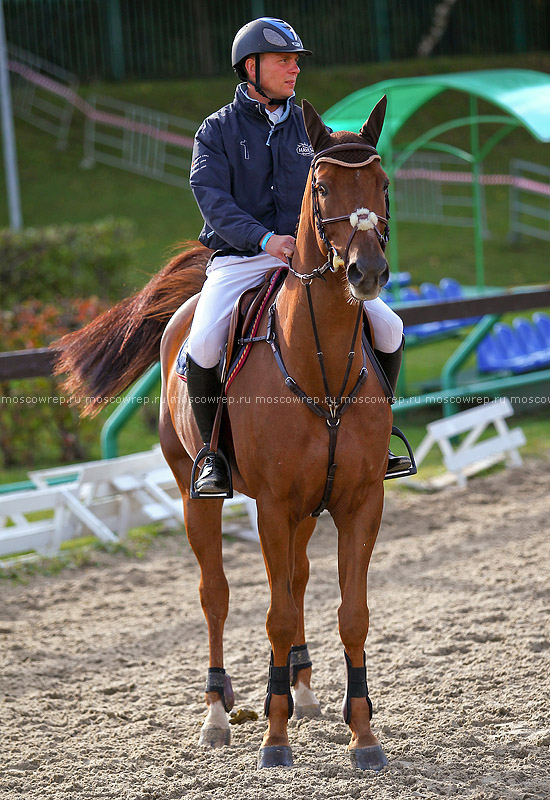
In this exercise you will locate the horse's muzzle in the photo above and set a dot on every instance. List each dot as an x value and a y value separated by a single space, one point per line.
366 280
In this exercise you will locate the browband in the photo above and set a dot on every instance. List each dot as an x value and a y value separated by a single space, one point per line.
338 148
329 160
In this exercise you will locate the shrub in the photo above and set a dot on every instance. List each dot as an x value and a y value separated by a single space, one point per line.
65 261
36 421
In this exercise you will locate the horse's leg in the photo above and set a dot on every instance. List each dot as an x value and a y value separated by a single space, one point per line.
204 532
277 539
356 537
305 701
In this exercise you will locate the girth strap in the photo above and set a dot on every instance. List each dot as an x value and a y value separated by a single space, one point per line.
331 472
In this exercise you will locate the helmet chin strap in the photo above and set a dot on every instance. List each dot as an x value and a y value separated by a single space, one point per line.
271 101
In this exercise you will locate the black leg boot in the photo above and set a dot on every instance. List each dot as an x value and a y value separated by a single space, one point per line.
204 388
391 364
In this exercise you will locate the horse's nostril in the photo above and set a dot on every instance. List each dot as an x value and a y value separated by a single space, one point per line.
384 276
355 276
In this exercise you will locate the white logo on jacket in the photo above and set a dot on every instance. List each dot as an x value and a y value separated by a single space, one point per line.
305 149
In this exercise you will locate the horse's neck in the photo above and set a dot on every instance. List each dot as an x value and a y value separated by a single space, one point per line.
335 317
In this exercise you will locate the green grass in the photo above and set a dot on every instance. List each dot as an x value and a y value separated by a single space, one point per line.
80 553
56 189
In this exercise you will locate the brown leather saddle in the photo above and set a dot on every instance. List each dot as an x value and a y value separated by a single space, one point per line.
244 322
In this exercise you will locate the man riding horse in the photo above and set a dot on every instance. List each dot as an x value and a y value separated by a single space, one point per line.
250 164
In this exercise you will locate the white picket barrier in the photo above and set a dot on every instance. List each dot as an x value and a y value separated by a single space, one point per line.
472 455
106 498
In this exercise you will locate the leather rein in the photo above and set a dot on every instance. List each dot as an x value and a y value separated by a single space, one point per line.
337 404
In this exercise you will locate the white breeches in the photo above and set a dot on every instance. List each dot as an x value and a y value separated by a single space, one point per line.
387 326
228 276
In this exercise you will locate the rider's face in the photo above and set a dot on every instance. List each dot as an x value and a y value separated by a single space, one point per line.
278 73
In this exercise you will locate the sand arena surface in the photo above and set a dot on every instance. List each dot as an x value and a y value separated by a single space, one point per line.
102 669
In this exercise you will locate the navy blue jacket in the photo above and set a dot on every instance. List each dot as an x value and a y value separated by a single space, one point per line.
247 175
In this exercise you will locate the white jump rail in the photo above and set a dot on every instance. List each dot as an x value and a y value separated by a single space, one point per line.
105 498
471 455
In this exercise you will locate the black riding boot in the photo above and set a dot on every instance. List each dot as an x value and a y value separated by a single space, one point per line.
204 388
391 364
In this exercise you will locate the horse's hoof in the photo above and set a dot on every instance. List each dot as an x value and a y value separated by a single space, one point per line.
214 737
307 712
371 758
274 756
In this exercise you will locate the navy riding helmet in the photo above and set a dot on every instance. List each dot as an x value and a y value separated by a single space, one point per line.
263 35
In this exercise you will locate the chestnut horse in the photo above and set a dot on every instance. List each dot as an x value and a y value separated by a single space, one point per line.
278 450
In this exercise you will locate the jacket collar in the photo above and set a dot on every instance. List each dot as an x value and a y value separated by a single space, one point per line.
245 103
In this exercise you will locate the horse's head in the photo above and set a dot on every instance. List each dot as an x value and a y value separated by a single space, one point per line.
349 193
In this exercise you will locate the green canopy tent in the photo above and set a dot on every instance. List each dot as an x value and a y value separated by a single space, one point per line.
522 97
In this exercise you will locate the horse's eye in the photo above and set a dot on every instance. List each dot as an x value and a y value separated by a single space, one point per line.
321 189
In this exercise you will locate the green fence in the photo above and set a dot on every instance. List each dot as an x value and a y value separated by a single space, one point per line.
180 38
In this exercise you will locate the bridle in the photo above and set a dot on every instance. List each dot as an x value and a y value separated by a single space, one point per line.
360 219
335 404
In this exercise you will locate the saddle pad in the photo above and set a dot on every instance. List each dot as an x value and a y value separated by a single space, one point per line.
181 361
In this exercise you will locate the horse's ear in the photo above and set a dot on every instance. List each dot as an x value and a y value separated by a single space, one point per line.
316 129
372 128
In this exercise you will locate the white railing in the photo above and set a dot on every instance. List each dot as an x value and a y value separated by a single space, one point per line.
529 200
33 99
138 139
106 498
433 188
124 135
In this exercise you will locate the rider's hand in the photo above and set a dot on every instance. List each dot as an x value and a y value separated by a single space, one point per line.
281 247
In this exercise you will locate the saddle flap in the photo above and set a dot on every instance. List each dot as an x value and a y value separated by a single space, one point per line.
244 311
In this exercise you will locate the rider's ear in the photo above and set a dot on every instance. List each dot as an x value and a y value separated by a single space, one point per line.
372 128
317 131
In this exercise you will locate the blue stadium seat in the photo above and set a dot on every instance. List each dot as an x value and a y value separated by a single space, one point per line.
409 295
541 322
430 291
532 342
426 329
490 356
400 279
517 356
517 349
497 353
451 289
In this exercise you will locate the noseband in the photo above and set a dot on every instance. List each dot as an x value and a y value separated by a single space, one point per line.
361 219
